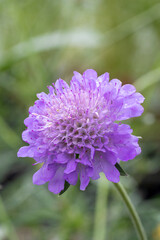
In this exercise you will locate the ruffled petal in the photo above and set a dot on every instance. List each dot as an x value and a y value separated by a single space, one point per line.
71 166
108 156
29 137
115 86
63 158
44 174
127 90
96 169
60 85
123 143
110 171
130 101
103 79
85 159
129 112
72 177
90 74
90 77
77 77
85 173
56 185
104 162
26 151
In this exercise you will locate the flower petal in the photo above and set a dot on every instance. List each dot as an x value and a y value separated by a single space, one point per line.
63 158
133 111
60 85
71 166
103 79
104 162
110 171
26 151
71 177
56 185
123 143
85 173
127 90
90 74
44 174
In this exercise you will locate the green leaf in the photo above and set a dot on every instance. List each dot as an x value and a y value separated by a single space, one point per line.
66 186
120 169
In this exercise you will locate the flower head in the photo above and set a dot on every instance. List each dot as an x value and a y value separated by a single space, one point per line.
74 132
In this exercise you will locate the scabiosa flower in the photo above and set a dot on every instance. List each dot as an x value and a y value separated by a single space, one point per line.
74 130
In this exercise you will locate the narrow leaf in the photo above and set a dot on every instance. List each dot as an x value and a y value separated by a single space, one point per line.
120 169
66 186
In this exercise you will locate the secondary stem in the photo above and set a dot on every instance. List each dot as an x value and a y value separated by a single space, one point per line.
135 218
100 219
12 235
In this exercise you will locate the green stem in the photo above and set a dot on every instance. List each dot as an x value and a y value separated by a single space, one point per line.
135 218
100 219
4 218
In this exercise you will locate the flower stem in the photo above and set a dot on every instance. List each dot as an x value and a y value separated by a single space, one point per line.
135 218
12 235
100 219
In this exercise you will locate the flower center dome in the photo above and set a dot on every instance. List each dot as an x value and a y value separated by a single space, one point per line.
76 120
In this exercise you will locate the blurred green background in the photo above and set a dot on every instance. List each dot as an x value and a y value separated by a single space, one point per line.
41 41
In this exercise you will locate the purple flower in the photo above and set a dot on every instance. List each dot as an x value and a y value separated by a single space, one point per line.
74 130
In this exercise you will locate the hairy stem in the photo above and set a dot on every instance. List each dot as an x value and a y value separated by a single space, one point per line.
135 218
